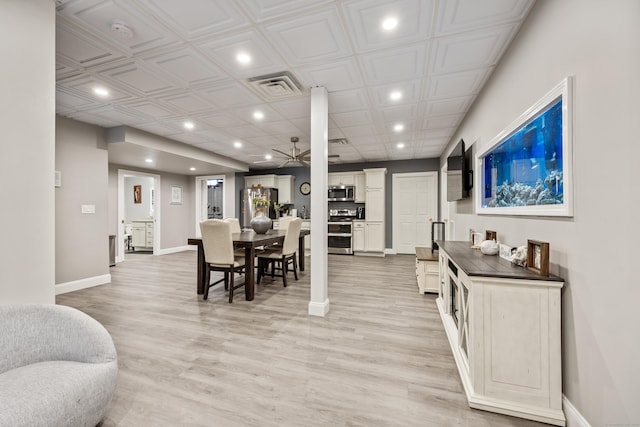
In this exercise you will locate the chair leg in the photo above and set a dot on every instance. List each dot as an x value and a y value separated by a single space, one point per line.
295 267
207 279
260 270
232 286
226 280
284 271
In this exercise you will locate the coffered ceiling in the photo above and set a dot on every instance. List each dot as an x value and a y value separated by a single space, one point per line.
167 62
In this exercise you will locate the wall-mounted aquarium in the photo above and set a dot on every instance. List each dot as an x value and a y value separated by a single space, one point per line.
526 169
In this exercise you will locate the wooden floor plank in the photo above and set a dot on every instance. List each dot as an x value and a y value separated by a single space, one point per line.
379 358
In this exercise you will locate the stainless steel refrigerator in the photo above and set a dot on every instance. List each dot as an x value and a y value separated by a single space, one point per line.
246 205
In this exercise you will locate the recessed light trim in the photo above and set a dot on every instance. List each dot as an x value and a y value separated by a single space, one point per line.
268 156
258 115
398 127
148 160
389 23
192 168
189 125
400 145
237 144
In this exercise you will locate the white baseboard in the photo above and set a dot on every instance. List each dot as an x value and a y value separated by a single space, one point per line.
177 249
76 285
573 416
319 308
390 251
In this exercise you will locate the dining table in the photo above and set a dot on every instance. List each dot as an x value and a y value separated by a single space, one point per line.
249 240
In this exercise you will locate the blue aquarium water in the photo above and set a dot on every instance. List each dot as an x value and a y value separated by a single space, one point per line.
526 168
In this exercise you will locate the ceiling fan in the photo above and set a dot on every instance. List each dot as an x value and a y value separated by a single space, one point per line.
295 155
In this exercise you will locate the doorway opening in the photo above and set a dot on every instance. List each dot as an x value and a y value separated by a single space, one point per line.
138 213
214 198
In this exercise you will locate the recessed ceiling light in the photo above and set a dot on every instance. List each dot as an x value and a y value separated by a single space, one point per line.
100 91
192 168
400 145
258 115
189 125
395 95
243 58
389 23
268 156
237 144
399 127
148 160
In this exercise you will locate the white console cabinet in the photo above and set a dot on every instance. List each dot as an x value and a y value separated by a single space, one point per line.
427 271
503 326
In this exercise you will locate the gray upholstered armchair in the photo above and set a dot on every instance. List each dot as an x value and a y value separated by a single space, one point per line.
58 367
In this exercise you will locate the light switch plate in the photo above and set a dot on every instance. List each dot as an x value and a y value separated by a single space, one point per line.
88 209
57 181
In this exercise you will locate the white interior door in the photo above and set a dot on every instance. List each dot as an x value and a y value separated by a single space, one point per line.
415 205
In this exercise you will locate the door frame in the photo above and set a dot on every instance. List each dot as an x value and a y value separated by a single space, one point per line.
157 186
201 194
394 200
445 206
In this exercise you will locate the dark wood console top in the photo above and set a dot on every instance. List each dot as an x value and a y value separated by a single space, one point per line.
425 254
475 263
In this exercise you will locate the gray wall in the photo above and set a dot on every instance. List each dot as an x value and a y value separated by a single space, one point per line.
27 106
82 242
302 174
598 43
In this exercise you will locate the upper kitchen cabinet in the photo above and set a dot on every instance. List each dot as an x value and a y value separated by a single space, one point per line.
361 187
286 189
264 180
375 178
341 178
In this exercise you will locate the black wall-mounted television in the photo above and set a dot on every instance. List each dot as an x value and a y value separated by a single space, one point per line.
458 174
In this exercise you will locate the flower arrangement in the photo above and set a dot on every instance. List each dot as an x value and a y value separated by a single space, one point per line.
260 204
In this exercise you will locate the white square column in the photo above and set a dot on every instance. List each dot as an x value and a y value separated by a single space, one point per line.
319 303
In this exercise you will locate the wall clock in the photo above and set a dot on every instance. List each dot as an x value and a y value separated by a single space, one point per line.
305 188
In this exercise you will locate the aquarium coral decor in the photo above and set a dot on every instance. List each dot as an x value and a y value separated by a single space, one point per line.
526 169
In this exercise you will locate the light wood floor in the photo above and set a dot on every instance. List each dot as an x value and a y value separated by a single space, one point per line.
379 358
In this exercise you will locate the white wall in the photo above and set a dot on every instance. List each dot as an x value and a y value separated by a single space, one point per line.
599 43
27 111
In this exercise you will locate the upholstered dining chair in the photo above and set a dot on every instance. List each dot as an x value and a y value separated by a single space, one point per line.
235 228
286 254
217 243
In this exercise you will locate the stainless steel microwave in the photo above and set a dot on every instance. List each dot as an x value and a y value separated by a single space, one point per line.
342 193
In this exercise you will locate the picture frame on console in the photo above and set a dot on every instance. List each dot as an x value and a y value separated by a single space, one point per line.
527 168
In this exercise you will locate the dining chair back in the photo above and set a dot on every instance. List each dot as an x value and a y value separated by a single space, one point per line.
235 224
217 243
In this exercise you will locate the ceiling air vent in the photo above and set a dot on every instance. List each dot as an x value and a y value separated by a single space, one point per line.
276 85
339 141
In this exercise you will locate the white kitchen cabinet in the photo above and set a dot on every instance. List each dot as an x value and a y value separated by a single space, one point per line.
375 178
286 189
142 234
358 236
359 181
374 237
368 238
375 204
427 271
263 180
503 327
341 178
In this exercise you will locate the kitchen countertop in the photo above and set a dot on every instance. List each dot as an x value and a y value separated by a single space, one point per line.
425 254
475 263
